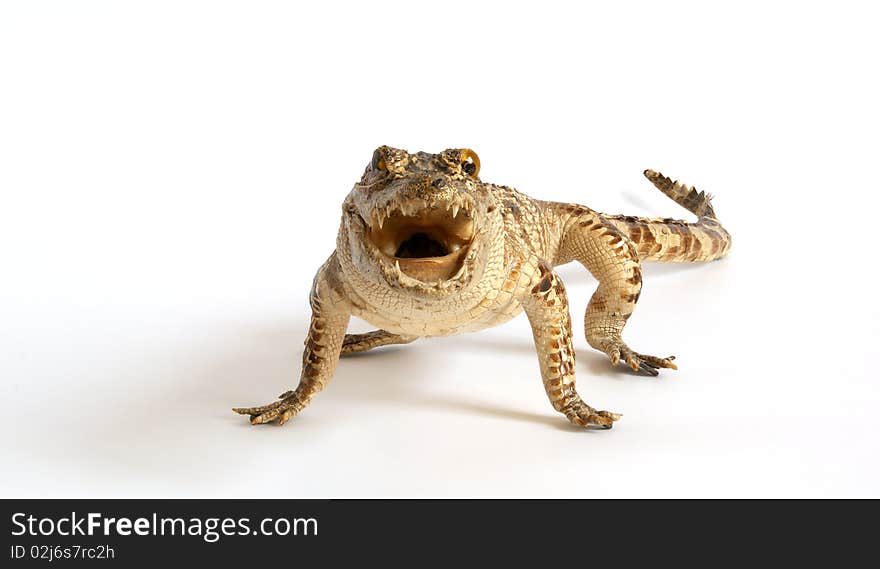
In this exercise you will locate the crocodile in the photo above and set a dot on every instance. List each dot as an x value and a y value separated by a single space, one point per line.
425 248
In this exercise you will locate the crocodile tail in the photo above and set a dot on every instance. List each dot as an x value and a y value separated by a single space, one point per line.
674 240
698 203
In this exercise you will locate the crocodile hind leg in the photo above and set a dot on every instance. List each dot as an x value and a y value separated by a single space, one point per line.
546 305
355 343
323 345
614 261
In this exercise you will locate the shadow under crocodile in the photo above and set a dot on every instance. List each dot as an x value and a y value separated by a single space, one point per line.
386 376
144 429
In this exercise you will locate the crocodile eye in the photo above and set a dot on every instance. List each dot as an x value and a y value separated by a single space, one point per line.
470 162
378 163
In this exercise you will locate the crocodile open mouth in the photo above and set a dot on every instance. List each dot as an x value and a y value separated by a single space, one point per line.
428 244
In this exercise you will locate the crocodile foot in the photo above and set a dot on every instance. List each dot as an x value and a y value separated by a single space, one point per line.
283 410
583 415
639 363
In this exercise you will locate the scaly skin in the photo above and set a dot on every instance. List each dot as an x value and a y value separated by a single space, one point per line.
355 343
427 249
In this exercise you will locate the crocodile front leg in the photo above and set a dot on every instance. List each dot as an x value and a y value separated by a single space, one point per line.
330 315
546 306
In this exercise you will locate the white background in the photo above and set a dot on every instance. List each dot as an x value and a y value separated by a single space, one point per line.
171 175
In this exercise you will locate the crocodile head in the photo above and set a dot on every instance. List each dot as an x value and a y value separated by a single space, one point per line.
421 222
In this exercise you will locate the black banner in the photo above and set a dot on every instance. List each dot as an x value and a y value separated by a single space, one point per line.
284 532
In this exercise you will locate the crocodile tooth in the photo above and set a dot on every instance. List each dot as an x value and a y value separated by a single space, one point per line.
380 218
397 268
459 273
455 210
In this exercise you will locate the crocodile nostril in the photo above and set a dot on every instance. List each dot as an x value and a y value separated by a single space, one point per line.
438 183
